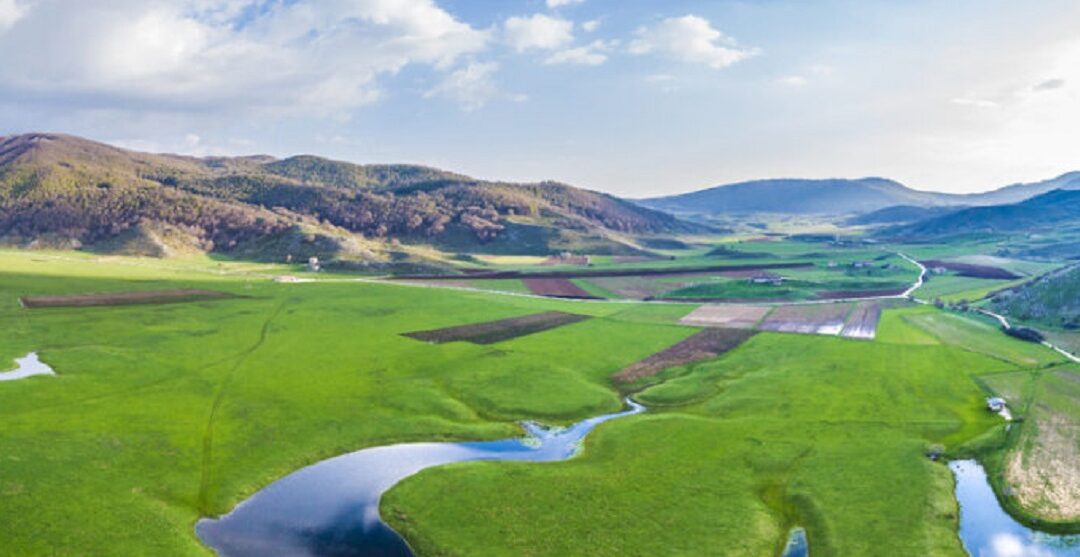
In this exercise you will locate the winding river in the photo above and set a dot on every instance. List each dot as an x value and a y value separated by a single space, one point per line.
332 508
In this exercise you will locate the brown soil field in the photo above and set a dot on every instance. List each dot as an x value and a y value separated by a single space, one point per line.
705 345
735 316
863 321
592 273
973 271
821 319
850 294
124 298
639 288
490 332
556 288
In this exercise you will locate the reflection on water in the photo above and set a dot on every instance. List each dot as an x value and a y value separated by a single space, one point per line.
331 509
797 545
27 366
988 531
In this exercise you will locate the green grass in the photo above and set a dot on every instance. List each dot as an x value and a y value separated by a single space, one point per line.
954 288
162 414
787 429
1037 457
982 336
514 286
594 289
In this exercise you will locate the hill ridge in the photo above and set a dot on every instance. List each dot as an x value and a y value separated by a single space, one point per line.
66 191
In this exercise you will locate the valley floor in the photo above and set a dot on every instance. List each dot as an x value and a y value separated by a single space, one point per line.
161 414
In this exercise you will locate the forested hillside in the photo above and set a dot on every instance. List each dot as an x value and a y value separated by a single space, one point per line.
65 191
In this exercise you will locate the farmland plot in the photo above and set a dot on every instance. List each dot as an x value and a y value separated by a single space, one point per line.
735 316
490 332
556 288
820 319
705 345
972 270
862 323
124 298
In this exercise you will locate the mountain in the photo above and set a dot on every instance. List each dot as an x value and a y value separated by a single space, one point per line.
843 197
64 191
1019 192
898 214
797 196
1049 211
1052 299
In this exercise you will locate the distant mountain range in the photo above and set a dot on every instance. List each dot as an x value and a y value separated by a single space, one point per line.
1048 211
837 197
63 191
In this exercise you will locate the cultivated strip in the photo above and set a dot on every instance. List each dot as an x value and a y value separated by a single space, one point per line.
821 319
704 345
124 298
490 332
556 288
863 322
734 316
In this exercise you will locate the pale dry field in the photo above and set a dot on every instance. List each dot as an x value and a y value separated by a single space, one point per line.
734 316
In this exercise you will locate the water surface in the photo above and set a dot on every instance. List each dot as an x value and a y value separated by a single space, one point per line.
797 546
27 366
331 509
988 531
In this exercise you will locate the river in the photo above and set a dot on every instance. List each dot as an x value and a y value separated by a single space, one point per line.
332 508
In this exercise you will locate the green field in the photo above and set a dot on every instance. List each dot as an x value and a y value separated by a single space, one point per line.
162 414
1037 462
824 432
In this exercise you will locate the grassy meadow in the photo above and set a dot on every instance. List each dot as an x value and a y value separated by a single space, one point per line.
161 414
165 413
823 432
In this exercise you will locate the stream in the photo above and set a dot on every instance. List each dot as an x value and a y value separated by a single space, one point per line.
27 366
988 531
331 508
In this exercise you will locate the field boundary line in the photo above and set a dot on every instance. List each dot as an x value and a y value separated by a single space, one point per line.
208 432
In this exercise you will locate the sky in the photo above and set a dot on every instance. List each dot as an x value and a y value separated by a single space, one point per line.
632 97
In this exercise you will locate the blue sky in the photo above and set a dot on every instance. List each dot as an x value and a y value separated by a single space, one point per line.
631 97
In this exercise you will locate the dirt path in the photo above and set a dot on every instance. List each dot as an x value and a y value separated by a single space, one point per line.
1005 323
208 433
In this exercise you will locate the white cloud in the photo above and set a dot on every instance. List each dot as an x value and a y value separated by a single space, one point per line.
560 3
319 57
592 54
793 80
11 11
975 103
666 82
591 25
1050 84
538 31
470 86
692 39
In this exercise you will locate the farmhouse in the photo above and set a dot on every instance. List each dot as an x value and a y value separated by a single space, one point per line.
995 404
766 278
